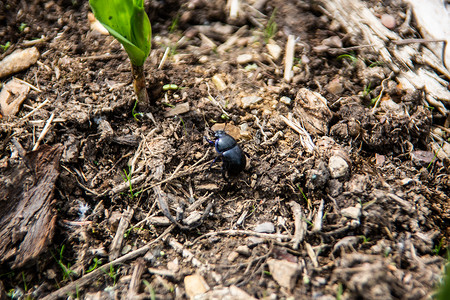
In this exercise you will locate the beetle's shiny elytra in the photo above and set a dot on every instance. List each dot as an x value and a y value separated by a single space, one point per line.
233 158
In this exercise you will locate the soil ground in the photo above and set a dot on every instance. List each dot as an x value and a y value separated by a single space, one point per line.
375 227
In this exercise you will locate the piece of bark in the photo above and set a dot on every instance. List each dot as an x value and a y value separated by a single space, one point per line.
27 217
11 97
116 244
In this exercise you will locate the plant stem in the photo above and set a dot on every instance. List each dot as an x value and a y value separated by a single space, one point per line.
139 85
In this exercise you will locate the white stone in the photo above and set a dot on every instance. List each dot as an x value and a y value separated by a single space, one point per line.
286 100
285 273
195 285
266 227
351 212
250 100
274 51
244 59
338 166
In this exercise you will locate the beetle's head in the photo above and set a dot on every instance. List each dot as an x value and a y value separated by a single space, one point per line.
219 133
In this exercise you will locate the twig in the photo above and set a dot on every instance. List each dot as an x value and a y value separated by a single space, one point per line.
312 255
35 109
116 244
126 184
234 232
289 58
164 58
305 138
44 131
261 128
215 102
28 84
381 93
89 277
299 223
318 218
234 9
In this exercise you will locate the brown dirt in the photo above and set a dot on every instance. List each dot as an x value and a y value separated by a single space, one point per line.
394 247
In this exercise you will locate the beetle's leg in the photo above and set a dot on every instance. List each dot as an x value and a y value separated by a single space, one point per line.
209 141
215 159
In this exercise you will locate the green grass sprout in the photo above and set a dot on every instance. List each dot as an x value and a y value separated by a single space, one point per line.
350 57
271 27
5 46
127 21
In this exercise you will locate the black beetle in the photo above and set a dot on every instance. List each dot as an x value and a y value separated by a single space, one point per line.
230 152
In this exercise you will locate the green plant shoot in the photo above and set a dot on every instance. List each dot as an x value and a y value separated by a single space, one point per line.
127 21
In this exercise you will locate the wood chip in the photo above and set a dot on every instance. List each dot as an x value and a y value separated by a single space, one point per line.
18 61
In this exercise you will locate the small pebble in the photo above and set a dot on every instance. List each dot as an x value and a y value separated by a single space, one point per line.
243 250
274 51
195 285
351 212
388 21
338 166
285 273
250 100
266 227
286 100
244 59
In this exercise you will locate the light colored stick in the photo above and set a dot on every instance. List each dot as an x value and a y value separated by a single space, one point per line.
163 59
289 58
35 109
44 131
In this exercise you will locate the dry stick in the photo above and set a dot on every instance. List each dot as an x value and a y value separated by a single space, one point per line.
28 84
136 278
312 255
186 253
126 184
318 218
44 131
35 109
381 93
234 9
243 232
164 58
305 138
87 278
118 238
289 58
299 223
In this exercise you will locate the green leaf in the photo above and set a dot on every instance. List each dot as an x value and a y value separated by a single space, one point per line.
127 21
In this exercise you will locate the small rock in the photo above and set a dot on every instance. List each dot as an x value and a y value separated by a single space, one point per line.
244 59
250 100
358 184
333 42
266 227
351 212
253 241
232 256
174 265
338 166
335 86
286 100
18 61
219 83
178 110
422 158
388 21
231 129
284 272
318 177
195 285
244 250
12 96
274 51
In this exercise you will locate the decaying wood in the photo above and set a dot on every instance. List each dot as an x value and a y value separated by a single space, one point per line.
116 244
410 62
136 278
27 219
89 277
